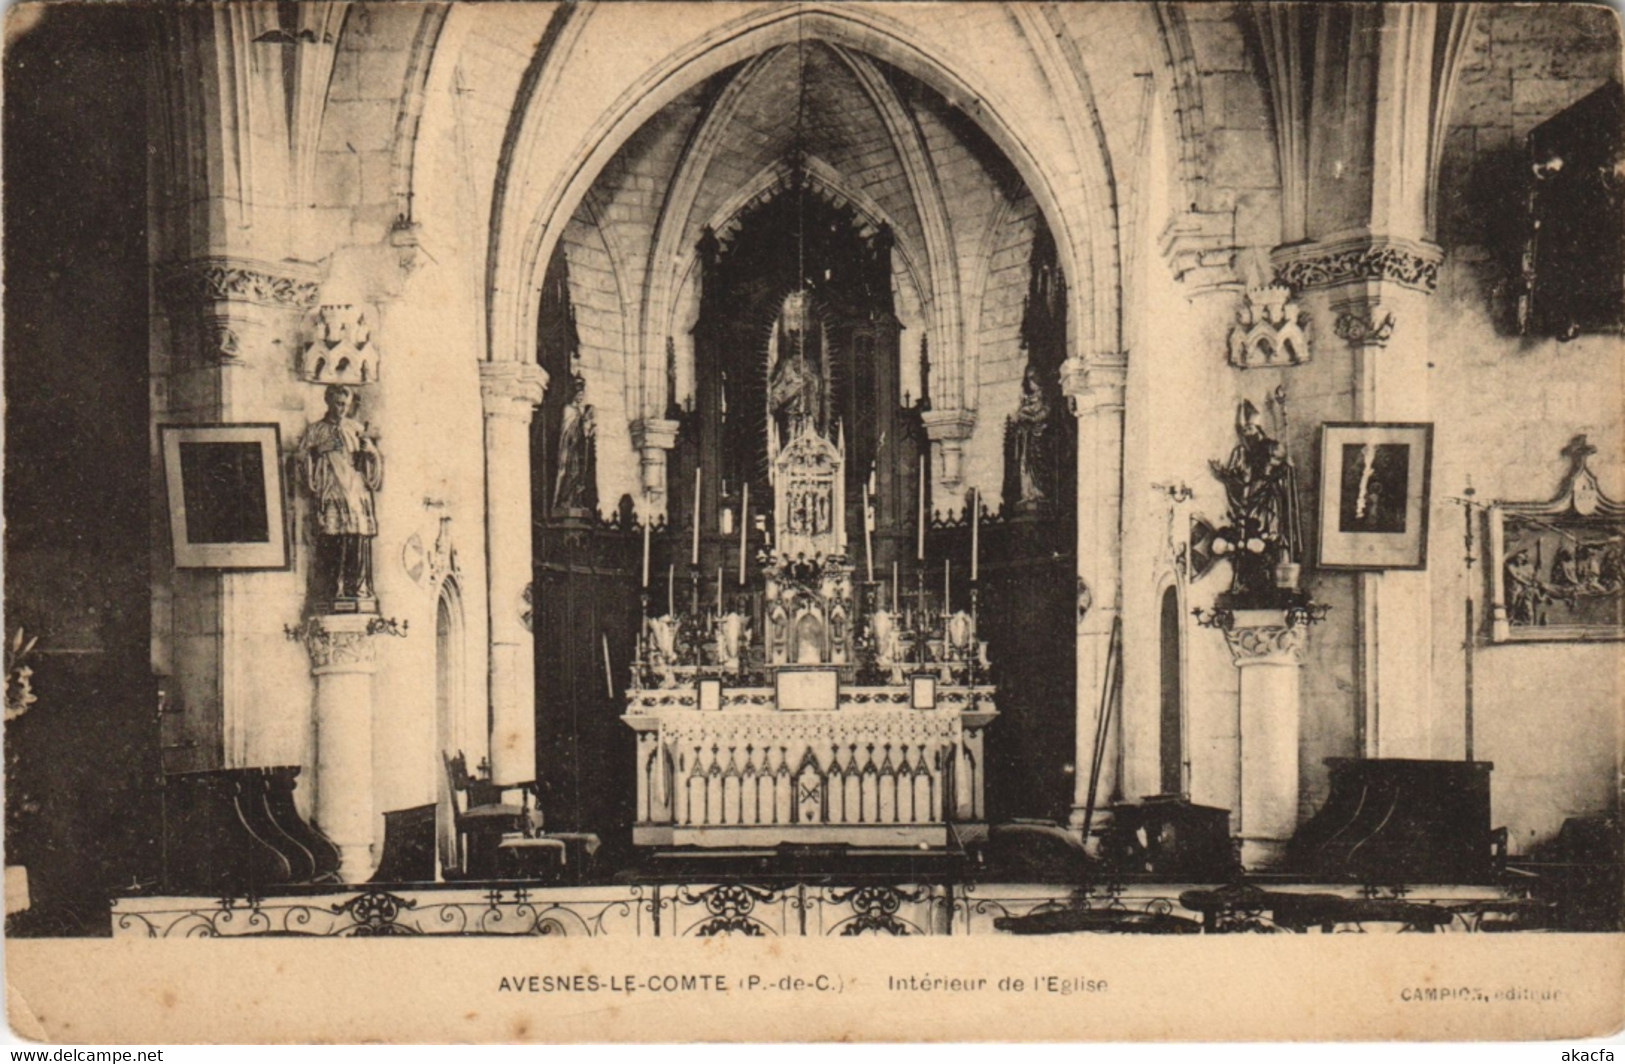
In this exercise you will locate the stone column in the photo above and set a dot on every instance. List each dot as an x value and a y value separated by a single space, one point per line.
343 661
218 357
1268 653
1376 292
510 392
1095 392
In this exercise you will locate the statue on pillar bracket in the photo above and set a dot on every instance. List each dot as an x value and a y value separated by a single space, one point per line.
341 467
1264 536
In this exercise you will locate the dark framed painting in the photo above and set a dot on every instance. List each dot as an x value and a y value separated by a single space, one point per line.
226 508
1374 494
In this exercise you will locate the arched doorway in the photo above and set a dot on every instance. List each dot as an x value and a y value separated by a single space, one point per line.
845 165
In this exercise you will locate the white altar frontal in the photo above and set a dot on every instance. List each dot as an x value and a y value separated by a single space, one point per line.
798 709
872 771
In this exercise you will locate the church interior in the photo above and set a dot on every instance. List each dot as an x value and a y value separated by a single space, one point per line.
813 468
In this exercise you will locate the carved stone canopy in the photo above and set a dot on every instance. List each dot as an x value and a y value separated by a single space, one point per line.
339 347
1269 330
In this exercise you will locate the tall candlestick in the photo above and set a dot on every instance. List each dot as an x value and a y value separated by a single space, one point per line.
694 553
744 526
975 531
868 542
609 673
919 547
894 594
648 523
671 590
946 587
719 591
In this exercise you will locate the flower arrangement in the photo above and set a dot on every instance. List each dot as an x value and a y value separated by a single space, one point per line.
19 676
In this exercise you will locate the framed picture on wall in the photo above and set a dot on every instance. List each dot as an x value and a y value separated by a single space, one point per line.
225 496
1374 494
1557 567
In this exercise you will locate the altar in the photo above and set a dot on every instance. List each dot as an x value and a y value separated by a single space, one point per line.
793 702
874 770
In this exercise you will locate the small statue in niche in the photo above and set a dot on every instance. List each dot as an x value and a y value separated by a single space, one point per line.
572 484
663 632
342 468
778 624
729 636
1030 443
1261 489
888 643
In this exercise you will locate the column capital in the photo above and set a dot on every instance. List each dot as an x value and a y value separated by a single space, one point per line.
340 643
226 279
949 424
1264 639
511 389
1358 259
654 432
1362 321
1094 385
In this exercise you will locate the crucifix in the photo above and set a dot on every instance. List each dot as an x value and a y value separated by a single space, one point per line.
1470 509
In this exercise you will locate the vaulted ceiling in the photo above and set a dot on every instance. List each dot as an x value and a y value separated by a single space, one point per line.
866 136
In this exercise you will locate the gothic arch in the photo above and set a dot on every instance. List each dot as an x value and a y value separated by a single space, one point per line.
525 227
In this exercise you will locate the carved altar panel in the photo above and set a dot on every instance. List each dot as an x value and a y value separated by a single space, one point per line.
873 772
810 498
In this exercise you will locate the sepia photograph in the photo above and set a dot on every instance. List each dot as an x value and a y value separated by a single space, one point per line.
813 521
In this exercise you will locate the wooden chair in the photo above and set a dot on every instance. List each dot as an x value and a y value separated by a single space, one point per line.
482 818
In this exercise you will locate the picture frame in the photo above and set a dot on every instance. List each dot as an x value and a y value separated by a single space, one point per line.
226 504
922 690
1375 493
710 694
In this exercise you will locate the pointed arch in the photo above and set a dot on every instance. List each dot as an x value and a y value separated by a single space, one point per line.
537 190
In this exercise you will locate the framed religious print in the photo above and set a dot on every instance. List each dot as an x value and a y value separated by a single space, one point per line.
1374 494
225 496
1558 567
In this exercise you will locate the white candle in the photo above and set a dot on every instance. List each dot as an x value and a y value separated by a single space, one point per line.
919 547
894 596
946 586
744 526
694 554
648 523
868 543
609 674
975 531
719 591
